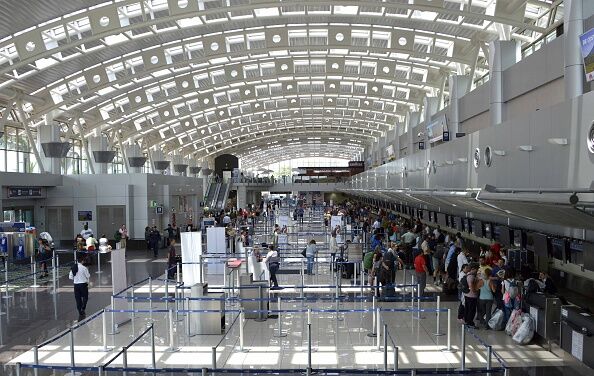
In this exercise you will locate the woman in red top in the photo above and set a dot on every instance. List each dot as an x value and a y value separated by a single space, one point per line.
421 272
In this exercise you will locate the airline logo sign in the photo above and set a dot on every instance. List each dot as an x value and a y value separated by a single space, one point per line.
587 47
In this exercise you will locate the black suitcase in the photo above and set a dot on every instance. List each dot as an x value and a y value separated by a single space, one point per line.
388 291
348 270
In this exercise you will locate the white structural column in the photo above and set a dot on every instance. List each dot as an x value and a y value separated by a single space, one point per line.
49 132
574 69
458 86
414 119
241 196
502 55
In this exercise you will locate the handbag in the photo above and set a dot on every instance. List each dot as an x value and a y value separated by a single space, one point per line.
304 252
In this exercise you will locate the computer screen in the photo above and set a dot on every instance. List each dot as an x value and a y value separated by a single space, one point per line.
477 228
559 248
538 243
504 236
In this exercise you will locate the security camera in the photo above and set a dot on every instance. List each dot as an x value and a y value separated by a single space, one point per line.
421 134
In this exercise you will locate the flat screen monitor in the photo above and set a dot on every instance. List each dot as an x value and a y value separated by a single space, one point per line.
488 230
441 219
575 254
519 239
559 248
477 228
85 215
504 235
588 252
538 243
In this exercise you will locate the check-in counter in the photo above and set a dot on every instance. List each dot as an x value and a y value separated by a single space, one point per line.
577 329
546 311
207 322
259 291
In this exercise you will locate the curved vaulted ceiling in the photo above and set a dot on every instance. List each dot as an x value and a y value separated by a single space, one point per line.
252 77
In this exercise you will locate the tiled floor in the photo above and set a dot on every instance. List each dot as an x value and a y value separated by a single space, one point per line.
339 344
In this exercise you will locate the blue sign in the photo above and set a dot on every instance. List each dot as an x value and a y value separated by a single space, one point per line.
587 47
13 226
3 244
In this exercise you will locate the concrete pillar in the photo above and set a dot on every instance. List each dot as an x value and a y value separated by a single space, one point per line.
458 86
573 28
49 132
241 196
502 55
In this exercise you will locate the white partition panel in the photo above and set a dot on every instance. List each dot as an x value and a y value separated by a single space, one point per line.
215 240
119 282
191 248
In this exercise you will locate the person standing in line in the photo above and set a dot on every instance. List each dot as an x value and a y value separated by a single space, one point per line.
171 260
273 261
310 253
471 296
421 271
80 275
124 235
86 231
486 289
154 239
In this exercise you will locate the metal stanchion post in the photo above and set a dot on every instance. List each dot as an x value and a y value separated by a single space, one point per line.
153 356
419 317
172 347
188 317
362 278
449 333
489 357
309 349
225 292
378 322
385 347
279 320
125 360
34 266
178 273
463 348
395 358
166 294
114 325
72 348
412 292
98 263
6 278
35 358
241 333
104 322
150 280
373 318
438 314
260 305
214 358
133 302
302 280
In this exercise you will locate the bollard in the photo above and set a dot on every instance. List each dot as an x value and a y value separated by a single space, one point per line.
463 347
71 348
154 358
395 358
373 319
448 334
489 357
385 347
172 347
279 320
125 360
188 317
378 321
214 358
438 314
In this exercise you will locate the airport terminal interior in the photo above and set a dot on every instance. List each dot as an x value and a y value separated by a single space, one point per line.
269 187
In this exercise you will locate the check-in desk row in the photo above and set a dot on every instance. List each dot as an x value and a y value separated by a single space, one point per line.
577 328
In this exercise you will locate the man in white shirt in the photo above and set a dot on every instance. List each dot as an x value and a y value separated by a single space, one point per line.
86 232
377 224
462 259
80 275
273 261
226 220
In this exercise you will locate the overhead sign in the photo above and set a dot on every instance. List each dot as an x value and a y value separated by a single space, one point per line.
587 47
24 192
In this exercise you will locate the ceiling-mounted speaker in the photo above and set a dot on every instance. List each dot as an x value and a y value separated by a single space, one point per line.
56 149
104 156
161 165
137 161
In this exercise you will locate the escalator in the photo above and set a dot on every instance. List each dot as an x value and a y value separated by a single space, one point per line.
223 194
211 194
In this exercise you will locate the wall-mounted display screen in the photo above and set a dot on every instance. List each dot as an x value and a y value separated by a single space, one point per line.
477 228
519 239
559 248
85 215
575 254
503 235
539 243
488 230
441 219
588 252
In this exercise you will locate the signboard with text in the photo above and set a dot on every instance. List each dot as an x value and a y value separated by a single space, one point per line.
24 192
587 48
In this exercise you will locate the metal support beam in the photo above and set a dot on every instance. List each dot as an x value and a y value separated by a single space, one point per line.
32 144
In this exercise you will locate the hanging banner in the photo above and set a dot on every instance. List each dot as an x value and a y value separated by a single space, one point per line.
587 47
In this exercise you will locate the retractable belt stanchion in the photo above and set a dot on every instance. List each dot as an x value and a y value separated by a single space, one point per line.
214 358
419 317
166 293
171 347
72 364
302 280
279 320
260 305
374 319
34 266
385 347
153 355
438 315
463 347
114 325
98 263
6 296
178 273
133 302
241 333
362 278
35 358
309 349
489 357
412 292
449 334
378 322
188 316
395 358
104 331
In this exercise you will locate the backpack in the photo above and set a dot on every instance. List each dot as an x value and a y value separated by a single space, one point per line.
513 291
463 286
117 236
368 260
74 268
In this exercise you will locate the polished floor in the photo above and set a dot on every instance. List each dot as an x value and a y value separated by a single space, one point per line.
339 341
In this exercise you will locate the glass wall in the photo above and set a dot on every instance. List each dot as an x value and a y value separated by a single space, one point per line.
15 152
75 162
